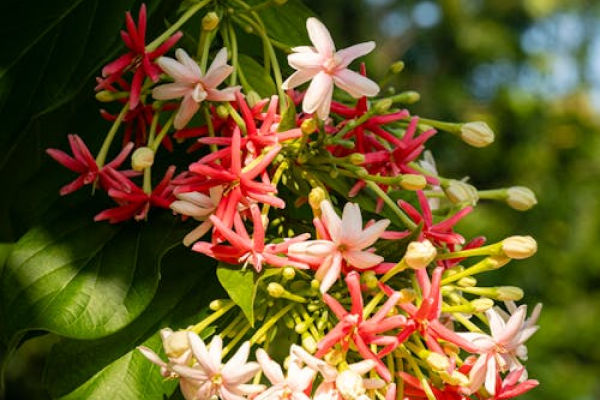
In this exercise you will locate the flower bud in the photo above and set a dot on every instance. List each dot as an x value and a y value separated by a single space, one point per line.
369 279
459 192
216 305
397 67
106 96
309 343
477 134
253 98
275 289
222 112
519 247
520 198
467 281
420 254
356 159
509 293
350 385
210 21
382 106
142 158
176 343
315 197
437 361
288 273
406 296
413 182
482 305
308 126
455 378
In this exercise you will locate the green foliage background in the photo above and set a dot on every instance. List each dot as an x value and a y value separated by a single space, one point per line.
530 68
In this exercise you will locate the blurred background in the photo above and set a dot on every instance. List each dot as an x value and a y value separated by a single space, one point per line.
531 69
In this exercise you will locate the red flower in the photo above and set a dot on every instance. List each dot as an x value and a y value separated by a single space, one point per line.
134 202
84 164
137 60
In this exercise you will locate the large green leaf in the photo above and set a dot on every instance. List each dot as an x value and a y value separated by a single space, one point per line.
286 23
239 284
110 367
83 279
257 77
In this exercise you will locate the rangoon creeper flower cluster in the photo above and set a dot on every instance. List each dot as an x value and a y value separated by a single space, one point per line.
332 230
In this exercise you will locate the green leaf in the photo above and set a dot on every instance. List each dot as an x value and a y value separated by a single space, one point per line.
288 118
256 76
239 284
110 367
83 279
286 23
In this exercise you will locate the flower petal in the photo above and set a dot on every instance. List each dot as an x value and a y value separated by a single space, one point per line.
320 37
349 54
170 91
186 111
355 84
298 78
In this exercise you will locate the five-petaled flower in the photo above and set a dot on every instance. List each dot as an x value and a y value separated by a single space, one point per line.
194 86
327 67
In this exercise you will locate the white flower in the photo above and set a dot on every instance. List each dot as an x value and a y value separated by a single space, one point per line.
293 387
326 67
208 377
348 242
191 84
200 207
501 351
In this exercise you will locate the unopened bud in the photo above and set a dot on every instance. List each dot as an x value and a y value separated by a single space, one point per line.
369 279
315 197
397 67
176 344
459 192
406 296
356 159
477 134
142 158
308 126
210 21
300 328
437 361
413 182
467 281
105 96
509 293
252 98
519 247
382 106
222 112
309 343
520 198
350 385
482 305
288 273
420 254
455 378
275 289
216 305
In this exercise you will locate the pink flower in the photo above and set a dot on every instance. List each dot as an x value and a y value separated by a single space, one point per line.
354 325
137 60
194 86
500 351
84 164
200 207
344 240
327 67
209 377
291 387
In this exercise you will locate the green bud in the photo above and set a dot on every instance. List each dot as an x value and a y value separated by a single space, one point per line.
222 112
382 106
519 247
509 293
413 182
356 159
275 289
397 67
288 273
210 21
482 305
308 126
459 192
253 98
467 281
420 254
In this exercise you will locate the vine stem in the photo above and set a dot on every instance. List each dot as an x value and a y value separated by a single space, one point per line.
101 157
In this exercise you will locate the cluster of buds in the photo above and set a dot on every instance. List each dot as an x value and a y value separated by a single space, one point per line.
363 288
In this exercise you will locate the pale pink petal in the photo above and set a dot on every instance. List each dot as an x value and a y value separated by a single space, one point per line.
298 78
513 326
355 84
349 54
371 234
170 91
202 355
271 369
197 233
328 274
306 61
237 360
491 376
219 61
325 105
189 63
362 259
313 248
362 367
215 351
177 70
320 37
186 112
214 77
351 228
331 220
152 356
227 94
